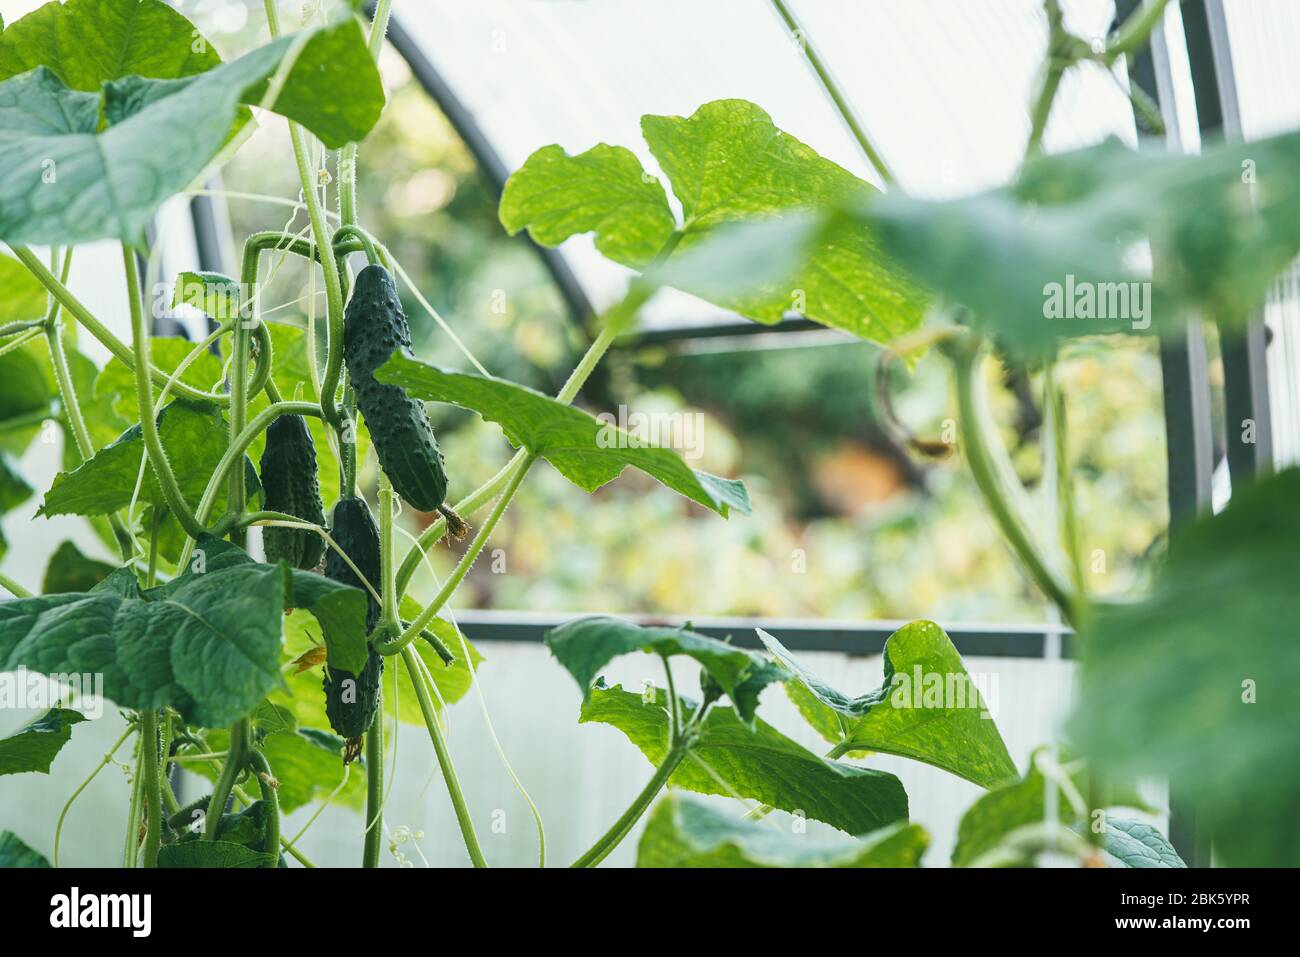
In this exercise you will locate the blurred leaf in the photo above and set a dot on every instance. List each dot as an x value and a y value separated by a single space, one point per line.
14 489
603 191
686 832
1221 225
927 708
21 294
1003 810
34 746
1197 681
761 764
70 571
14 853
86 42
110 183
586 645
584 450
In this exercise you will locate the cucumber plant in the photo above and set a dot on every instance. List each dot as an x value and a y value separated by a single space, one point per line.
266 677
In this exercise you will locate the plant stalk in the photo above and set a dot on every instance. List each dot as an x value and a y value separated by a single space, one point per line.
620 828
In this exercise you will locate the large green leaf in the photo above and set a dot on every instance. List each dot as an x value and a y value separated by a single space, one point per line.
21 295
206 643
14 853
760 764
928 708
603 191
33 746
86 42
1221 226
686 832
69 571
586 645
584 450
728 165
1198 680
66 181
339 609
194 438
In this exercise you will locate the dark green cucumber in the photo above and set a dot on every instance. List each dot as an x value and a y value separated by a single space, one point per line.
374 327
289 485
351 700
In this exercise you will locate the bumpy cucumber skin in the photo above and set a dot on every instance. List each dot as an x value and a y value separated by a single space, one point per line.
355 531
290 485
374 327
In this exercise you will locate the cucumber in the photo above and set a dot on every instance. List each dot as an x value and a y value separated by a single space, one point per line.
374 327
351 700
290 485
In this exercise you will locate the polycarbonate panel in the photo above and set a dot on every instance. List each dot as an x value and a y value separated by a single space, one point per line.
943 86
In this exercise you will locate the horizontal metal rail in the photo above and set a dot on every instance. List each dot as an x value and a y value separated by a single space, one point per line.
798 634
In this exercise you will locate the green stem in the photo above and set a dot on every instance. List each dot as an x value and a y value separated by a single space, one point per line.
388 584
391 645
97 329
236 758
108 756
266 782
840 101
132 849
374 786
144 404
1136 30
152 789
15 589
444 759
995 478
620 828
347 165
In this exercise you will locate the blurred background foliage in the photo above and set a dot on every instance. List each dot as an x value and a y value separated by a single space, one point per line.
845 524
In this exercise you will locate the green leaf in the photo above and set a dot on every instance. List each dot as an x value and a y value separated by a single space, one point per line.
214 294
34 746
728 163
69 182
71 571
86 42
603 191
1021 803
731 168
687 832
21 295
211 854
339 610
194 438
1137 844
1218 238
584 450
206 643
14 853
760 764
115 383
1197 681
584 646
14 489
927 708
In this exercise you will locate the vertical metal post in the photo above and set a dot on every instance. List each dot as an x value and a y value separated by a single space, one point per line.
1188 425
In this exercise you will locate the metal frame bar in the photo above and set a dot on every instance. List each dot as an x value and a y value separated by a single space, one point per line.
798 634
